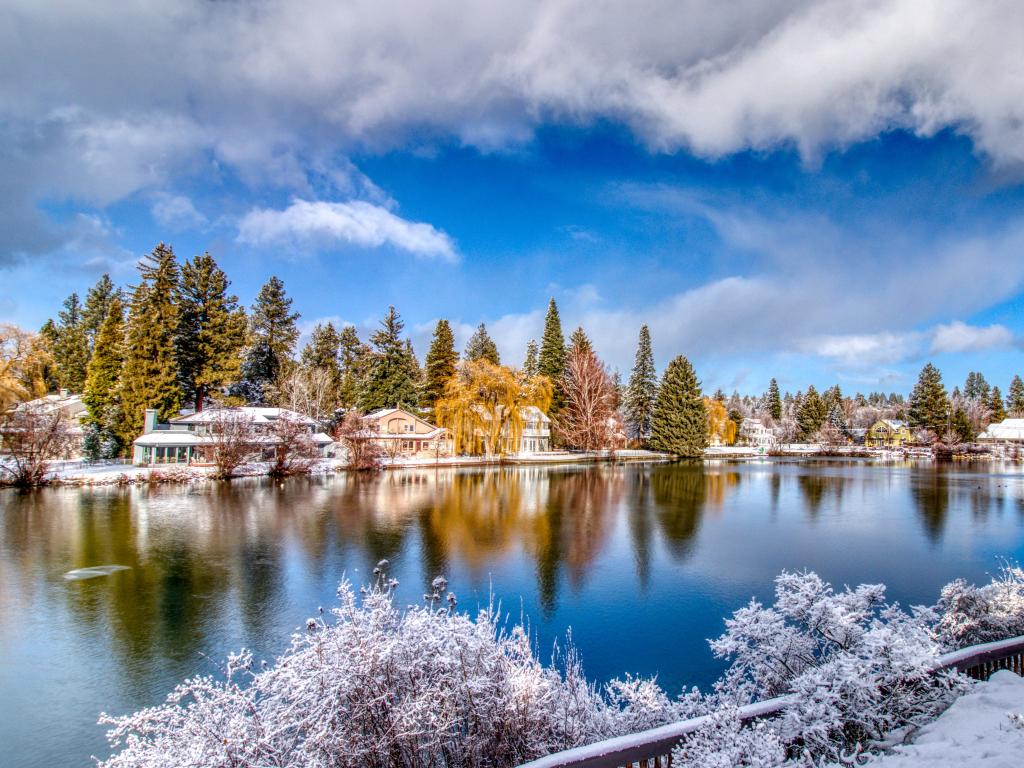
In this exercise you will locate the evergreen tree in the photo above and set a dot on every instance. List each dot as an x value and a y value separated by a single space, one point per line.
531 365
391 380
150 375
1015 398
642 390
552 356
482 347
355 363
929 406
579 340
211 331
440 365
679 424
71 352
812 414
272 337
323 353
976 388
996 409
97 305
48 342
102 391
961 426
773 401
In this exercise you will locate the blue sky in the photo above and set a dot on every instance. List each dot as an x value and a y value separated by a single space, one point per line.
817 191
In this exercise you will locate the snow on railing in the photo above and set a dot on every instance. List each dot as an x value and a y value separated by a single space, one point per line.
654 746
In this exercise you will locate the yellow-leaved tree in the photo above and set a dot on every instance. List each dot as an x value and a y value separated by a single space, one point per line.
23 360
483 406
719 424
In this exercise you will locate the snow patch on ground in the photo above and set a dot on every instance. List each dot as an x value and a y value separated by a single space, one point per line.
977 730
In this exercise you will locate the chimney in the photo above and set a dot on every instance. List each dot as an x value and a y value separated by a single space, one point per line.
149 423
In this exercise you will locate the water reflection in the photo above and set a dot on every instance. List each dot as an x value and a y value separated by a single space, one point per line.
213 567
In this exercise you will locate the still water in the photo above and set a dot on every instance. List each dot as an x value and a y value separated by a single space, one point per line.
641 562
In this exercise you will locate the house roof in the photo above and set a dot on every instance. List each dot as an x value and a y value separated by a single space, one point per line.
385 412
185 439
1007 429
258 415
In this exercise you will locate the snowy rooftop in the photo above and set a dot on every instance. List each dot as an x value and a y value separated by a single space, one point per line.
1008 429
258 415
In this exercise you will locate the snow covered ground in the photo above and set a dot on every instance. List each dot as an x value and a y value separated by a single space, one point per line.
978 730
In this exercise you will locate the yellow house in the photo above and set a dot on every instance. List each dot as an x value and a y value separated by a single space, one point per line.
888 433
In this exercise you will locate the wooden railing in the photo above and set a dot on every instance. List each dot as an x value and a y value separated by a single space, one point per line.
652 748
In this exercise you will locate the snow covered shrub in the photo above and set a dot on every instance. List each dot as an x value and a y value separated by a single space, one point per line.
379 686
970 614
726 743
856 666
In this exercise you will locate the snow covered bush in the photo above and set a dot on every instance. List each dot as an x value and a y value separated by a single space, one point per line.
726 743
382 686
971 614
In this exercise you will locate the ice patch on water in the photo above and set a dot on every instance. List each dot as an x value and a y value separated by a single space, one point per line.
93 571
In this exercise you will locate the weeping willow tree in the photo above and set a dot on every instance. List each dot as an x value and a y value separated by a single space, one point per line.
483 406
23 361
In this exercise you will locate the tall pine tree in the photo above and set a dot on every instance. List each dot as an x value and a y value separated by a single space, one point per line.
322 355
440 365
929 406
97 306
996 409
102 394
773 401
812 414
580 341
642 390
71 351
552 355
1015 398
679 424
273 334
211 331
391 382
531 365
482 347
150 375
355 359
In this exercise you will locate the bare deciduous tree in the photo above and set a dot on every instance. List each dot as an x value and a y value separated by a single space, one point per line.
295 453
231 441
357 436
32 436
586 419
310 391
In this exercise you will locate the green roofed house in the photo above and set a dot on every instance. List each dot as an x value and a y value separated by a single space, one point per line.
187 439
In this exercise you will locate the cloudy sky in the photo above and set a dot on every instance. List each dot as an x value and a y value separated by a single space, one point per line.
817 191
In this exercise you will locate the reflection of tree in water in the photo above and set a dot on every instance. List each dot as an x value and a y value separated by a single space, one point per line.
816 487
639 520
931 495
679 492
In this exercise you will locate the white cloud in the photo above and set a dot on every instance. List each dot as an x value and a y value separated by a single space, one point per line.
177 212
354 222
960 337
865 350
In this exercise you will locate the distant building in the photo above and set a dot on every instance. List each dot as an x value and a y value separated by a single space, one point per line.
536 435
187 439
400 433
1008 432
888 433
74 410
755 433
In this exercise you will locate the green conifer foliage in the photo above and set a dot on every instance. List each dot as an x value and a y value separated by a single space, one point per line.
150 375
71 352
323 353
996 409
272 337
679 424
102 391
211 331
774 401
482 347
355 365
929 406
1015 398
97 305
961 426
580 341
642 390
391 381
440 365
812 414
552 355
531 365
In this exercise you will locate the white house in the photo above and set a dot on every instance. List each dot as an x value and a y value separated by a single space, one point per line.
1008 431
753 432
74 410
536 435
185 439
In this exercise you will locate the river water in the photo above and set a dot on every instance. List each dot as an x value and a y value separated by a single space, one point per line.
641 562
